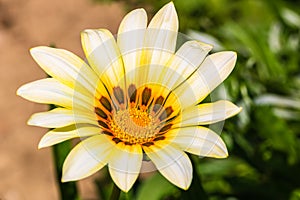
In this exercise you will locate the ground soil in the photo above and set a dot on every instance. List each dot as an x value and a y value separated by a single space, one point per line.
26 173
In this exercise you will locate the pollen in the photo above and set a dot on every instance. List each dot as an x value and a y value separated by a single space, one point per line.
134 126
140 118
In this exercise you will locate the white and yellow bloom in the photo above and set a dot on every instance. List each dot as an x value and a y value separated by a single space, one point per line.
135 95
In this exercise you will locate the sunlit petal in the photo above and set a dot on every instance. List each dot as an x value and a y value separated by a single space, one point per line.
213 71
172 163
125 165
161 36
86 158
200 141
60 117
62 134
207 113
66 67
103 55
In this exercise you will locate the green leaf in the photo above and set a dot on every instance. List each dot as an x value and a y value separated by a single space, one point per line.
155 188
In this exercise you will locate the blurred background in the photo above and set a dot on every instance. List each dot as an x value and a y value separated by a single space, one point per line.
263 140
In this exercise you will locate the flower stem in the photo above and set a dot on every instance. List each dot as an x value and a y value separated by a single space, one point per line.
115 194
67 190
196 190
60 151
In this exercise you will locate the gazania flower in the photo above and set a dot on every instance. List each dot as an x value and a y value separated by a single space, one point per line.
136 95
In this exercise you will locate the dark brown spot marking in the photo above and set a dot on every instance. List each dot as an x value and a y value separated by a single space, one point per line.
127 143
158 103
119 94
100 113
165 128
105 102
116 140
103 124
107 133
159 138
132 93
146 94
148 144
166 113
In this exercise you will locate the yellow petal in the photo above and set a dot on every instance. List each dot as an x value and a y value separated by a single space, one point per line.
172 163
213 71
86 158
200 141
60 117
207 113
62 134
125 164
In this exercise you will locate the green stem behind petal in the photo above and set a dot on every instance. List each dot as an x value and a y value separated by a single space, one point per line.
68 191
115 194
196 190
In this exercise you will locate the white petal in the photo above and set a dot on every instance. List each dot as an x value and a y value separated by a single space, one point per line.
125 164
213 71
60 117
131 35
200 141
131 31
62 134
172 163
207 113
66 67
161 36
104 56
48 91
186 60
51 91
86 158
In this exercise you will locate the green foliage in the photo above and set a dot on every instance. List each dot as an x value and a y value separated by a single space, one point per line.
60 151
156 187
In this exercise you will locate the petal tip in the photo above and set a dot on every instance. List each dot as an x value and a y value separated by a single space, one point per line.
239 110
64 179
170 4
19 91
42 144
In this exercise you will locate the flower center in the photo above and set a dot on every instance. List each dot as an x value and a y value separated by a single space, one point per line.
134 126
138 116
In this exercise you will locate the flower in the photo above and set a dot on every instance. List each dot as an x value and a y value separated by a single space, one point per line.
134 96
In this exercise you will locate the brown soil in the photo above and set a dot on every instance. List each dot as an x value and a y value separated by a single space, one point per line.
26 172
